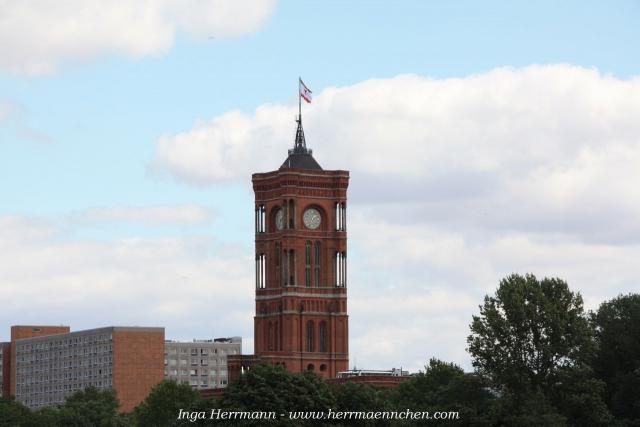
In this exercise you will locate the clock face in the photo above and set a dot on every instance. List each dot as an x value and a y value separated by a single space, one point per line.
280 219
311 218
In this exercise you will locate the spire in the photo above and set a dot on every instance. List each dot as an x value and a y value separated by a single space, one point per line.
300 145
300 157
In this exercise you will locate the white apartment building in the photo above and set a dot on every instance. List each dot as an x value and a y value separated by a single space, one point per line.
200 363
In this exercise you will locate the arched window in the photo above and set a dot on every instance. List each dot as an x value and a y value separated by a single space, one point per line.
316 265
307 264
310 335
322 336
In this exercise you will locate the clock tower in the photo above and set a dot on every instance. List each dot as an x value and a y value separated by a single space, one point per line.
301 319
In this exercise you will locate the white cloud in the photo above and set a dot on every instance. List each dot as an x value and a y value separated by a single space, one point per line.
543 148
414 287
178 214
455 184
36 36
194 287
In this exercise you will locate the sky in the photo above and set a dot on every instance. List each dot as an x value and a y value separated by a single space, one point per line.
483 139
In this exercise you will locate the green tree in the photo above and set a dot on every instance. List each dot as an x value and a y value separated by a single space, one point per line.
360 397
13 413
163 404
617 363
89 407
271 388
533 342
446 387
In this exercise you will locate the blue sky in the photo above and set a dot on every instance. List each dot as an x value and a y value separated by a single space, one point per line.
83 168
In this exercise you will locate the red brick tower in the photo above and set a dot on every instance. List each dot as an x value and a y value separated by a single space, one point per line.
301 317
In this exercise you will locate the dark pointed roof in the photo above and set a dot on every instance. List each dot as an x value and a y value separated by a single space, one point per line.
300 157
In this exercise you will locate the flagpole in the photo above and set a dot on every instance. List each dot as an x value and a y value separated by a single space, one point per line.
299 101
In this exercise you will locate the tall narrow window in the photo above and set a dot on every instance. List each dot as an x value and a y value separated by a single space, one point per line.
307 264
283 268
341 269
278 262
292 268
261 282
292 214
260 219
316 265
341 216
270 336
310 335
322 336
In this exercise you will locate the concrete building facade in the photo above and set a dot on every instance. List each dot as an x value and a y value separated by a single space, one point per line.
53 363
202 364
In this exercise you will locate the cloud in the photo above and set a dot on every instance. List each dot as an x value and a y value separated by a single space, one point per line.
413 288
455 184
544 148
155 215
37 36
48 277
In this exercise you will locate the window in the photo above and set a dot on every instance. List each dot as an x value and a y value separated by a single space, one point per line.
310 335
322 336
307 264
341 269
278 262
341 216
316 265
261 271
260 219
291 270
292 214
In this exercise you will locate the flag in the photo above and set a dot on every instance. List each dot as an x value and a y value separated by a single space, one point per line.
305 92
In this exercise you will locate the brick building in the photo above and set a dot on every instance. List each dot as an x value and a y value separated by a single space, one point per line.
46 364
2 345
301 319
202 364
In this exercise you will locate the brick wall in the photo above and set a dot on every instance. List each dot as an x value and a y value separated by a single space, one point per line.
138 364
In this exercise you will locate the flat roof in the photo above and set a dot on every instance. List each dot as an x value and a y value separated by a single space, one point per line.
91 332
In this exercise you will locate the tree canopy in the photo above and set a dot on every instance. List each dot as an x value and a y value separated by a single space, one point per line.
617 363
534 344
446 387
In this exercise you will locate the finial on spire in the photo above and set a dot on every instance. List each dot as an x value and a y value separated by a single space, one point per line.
300 145
300 157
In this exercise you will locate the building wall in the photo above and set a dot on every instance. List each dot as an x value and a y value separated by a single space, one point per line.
201 364
137 363
2 366
290 299
22 332
50 368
